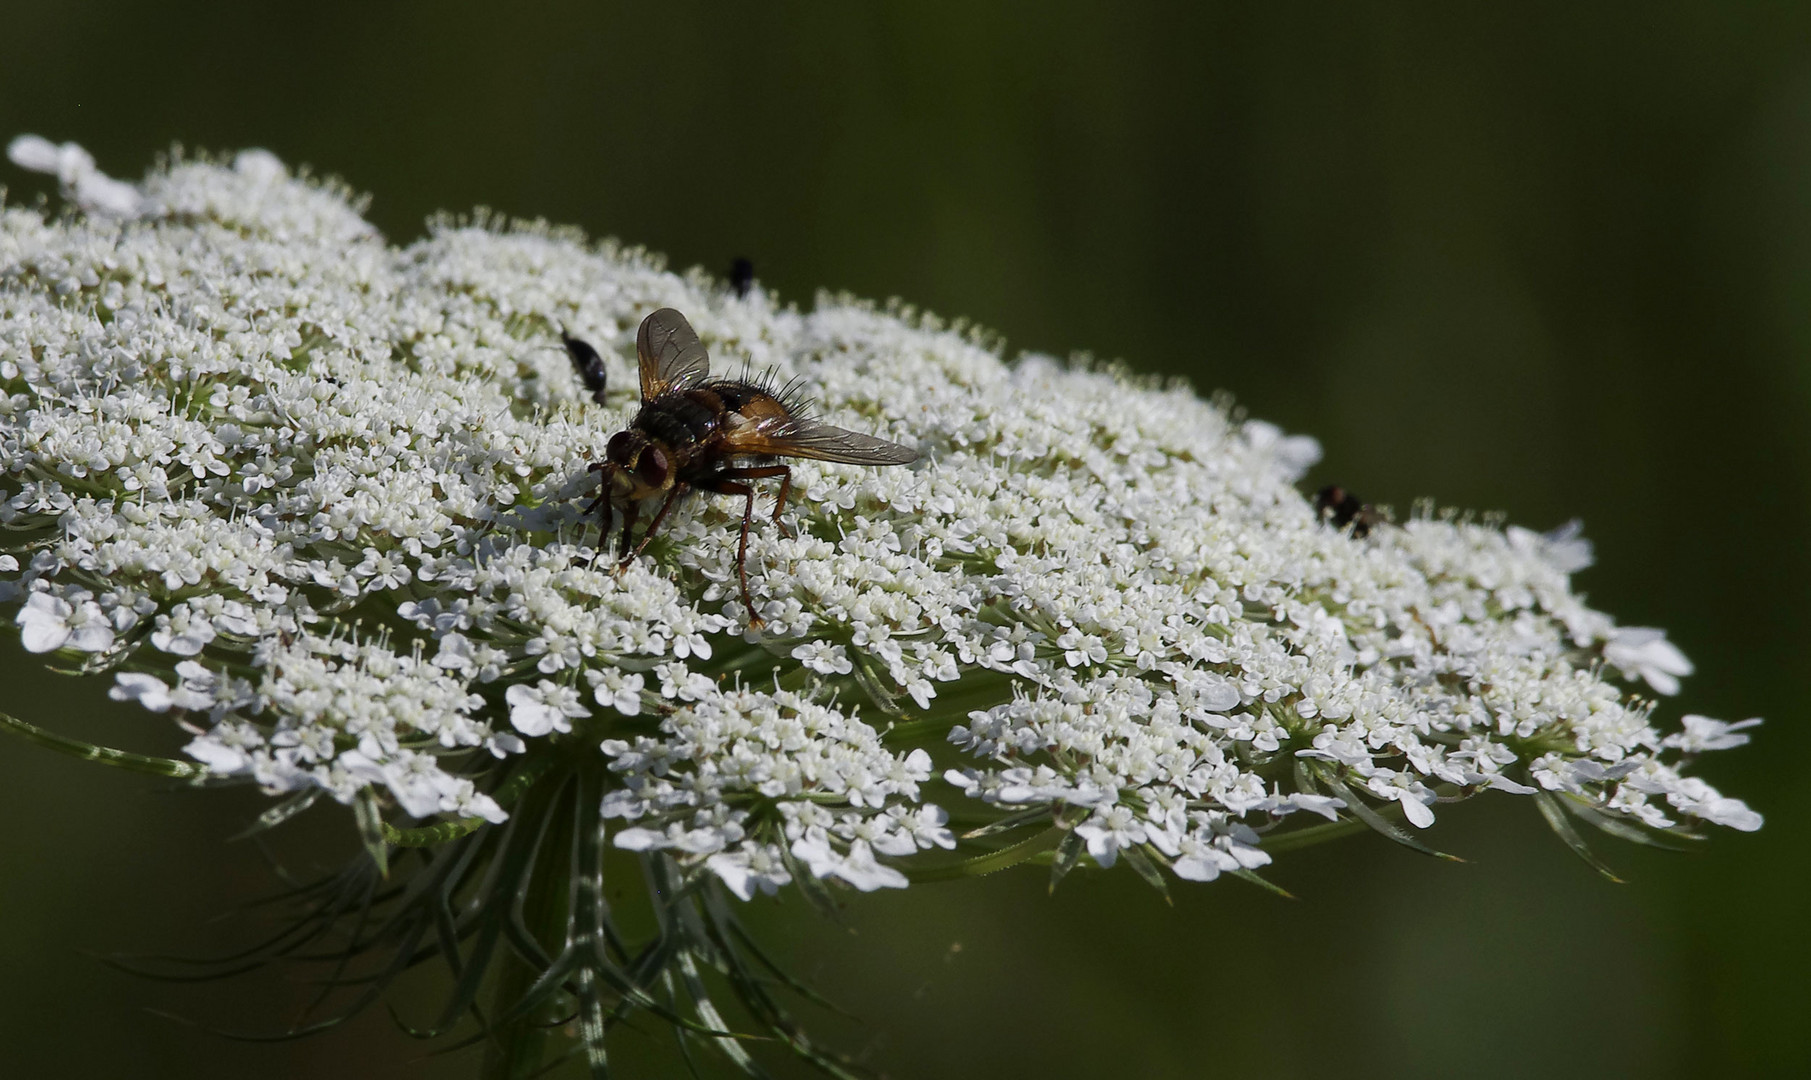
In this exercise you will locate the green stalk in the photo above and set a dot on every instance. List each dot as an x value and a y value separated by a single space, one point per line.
993 861
1312 835
515 1050
106 755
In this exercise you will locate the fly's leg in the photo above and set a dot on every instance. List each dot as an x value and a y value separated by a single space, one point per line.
602 502
726 483
654 527
730 487
779 505
631 514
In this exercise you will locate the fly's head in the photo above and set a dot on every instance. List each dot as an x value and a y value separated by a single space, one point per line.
644 468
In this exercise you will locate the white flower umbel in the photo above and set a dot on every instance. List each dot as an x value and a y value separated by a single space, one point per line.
321 499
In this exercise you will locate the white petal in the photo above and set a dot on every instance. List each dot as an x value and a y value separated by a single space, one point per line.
1416 811
34 152
148 690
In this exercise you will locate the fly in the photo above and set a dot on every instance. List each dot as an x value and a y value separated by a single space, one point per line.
696 433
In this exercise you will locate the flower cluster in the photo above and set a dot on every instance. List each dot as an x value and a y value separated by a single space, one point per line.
321 498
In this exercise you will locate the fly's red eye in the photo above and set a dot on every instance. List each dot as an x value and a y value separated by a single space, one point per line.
619 447
652 468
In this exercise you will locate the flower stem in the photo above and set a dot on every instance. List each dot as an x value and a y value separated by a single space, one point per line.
993 861
106 755
1314 834
516 1049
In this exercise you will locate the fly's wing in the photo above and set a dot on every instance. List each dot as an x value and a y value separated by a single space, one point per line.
671 356
789 436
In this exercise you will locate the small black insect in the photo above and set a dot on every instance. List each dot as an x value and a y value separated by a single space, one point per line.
741 276
588 364
1340 508
696 433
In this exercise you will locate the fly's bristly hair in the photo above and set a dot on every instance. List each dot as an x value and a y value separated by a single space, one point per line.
791 394
697 433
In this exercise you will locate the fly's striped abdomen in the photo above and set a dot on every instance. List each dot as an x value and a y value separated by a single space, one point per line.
754 403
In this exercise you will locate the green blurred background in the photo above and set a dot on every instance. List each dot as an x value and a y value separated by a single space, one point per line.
1549 259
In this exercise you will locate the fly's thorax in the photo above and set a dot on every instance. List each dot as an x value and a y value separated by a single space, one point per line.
682 419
